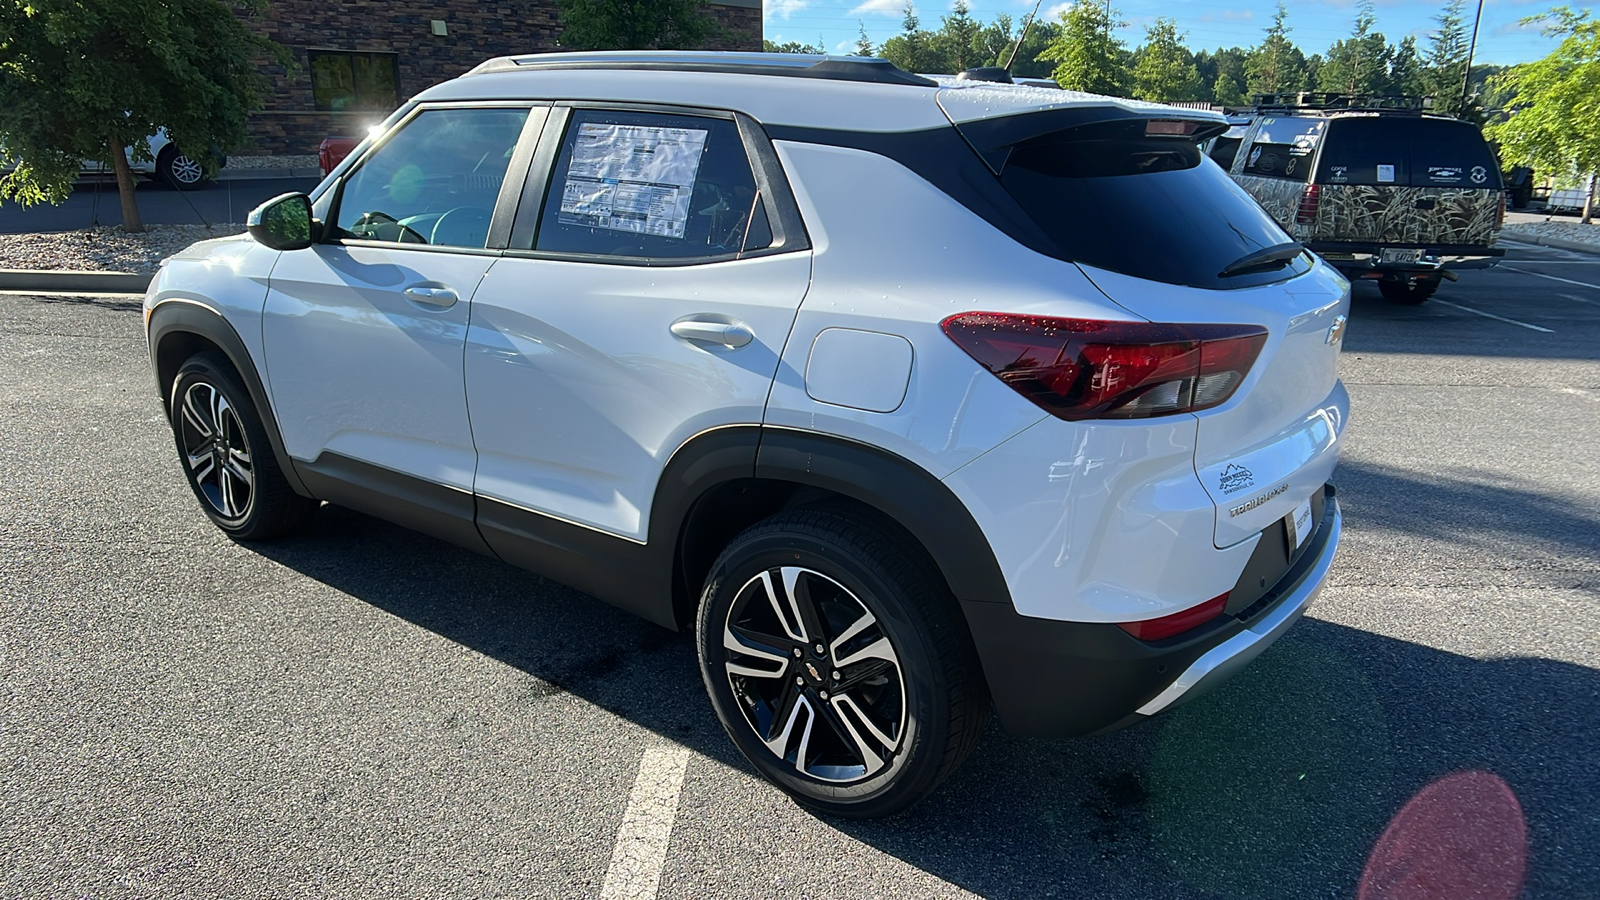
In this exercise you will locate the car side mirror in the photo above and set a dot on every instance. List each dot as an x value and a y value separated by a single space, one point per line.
282 223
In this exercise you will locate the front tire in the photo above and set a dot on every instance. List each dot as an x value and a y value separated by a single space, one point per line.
1407 292
226 456
837 663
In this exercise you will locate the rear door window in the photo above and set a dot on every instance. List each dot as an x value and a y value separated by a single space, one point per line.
1284 148
1407 152
1152 207
652 186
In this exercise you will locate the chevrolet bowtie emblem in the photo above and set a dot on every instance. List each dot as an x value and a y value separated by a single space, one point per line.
1336 330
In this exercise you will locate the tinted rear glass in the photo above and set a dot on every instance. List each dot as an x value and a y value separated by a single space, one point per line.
1153 208
1283 148
1412 152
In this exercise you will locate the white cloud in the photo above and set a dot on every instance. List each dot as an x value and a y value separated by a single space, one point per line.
882 7
1054 13
783 9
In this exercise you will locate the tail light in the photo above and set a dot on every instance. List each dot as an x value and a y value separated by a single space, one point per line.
1178 622
1307 213
1087 369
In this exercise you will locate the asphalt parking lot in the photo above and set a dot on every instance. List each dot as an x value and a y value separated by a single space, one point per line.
364 712
95 202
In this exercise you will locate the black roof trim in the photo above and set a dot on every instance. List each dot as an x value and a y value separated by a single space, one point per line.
792 65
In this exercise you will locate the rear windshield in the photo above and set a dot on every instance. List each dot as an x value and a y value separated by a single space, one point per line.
1154 208
1412 152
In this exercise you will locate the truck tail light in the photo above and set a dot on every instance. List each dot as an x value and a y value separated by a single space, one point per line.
1088 369
1178 622
1307 213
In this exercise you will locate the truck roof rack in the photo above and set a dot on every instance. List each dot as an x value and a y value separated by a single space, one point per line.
1327 101
794 65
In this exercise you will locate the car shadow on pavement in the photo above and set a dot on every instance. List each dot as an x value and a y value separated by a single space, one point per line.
1279 784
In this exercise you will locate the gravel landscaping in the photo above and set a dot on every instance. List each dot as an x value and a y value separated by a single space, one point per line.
1565 231
104 249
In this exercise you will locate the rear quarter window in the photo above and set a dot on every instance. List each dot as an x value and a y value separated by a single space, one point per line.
1407 152
1284 148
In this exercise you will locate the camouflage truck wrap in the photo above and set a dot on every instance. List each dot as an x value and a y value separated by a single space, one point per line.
1377 194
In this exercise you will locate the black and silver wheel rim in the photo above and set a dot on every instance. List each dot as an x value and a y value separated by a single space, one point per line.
814 674
185 170
216 450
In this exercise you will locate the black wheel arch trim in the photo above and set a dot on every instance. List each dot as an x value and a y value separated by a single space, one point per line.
174 317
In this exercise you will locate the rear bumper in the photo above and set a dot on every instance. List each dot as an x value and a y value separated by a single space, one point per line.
1060 679
1363 259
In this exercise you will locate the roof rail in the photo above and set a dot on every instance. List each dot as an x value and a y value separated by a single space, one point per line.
1328 100
794 65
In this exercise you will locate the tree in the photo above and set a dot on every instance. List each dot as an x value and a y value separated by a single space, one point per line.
1405 70
1276 64
791 47
912 49
1164 69
636 24
1087 56
1359 64
1554 122
993 43
1222 75
863 43
956 40
1446 57
88 79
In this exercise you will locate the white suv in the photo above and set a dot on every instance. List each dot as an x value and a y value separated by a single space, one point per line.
904 394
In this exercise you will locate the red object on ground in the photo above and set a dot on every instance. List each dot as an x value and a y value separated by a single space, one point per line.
333 150
1463 836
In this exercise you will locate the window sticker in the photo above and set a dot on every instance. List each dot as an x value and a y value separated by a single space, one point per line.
1340 174
634 178
1386 173
1444 173
1479 174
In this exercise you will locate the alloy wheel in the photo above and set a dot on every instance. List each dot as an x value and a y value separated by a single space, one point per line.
186 170
216 451
815 675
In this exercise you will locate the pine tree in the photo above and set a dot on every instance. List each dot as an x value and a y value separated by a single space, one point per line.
1276 64
1405 70
912 49
1087 56
1359 64
863 43
1164 70
957 36
1447 57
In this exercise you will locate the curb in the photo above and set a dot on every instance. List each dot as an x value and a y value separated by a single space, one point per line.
267 174
73 281
1554 243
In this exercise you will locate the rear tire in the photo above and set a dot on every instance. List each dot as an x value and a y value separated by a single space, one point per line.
226 456
893 702
1408 293
184 173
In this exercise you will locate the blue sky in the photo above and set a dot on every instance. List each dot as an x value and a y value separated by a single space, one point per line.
1315 24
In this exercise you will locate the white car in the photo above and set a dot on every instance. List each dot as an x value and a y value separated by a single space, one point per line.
167 163
904 395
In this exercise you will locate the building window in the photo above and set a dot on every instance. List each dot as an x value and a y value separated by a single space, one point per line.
349 81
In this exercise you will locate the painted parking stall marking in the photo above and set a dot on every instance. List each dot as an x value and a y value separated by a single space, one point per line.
1489 315
641 848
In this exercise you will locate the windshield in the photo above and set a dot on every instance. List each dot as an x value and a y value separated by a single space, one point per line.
1153 208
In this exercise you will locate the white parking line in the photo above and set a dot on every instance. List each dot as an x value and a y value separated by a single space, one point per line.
1554 278
641 849
1493 316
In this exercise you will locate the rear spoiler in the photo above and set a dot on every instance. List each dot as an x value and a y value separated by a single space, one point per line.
994 137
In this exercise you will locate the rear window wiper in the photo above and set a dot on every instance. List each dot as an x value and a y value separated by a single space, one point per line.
1264 260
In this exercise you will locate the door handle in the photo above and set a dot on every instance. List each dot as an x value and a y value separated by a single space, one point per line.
728 334
436 295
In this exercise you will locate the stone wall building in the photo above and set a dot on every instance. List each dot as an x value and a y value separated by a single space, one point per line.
358 59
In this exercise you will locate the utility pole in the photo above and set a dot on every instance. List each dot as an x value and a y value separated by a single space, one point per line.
1466 75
